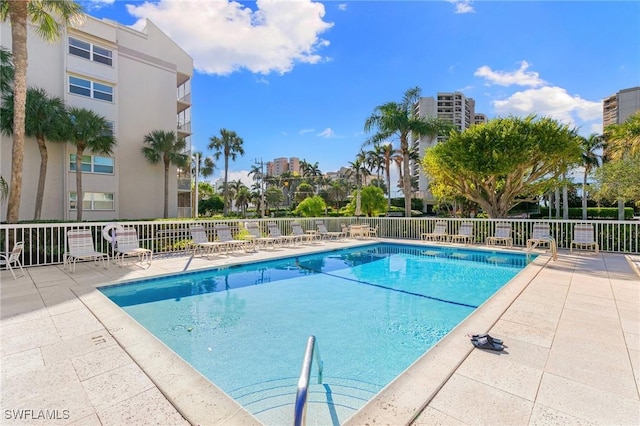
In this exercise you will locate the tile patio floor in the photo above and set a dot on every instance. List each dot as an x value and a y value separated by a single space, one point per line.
572 356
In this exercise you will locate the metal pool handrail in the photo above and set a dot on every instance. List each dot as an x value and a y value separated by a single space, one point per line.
303 382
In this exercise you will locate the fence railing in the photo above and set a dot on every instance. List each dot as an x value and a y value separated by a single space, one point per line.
46 243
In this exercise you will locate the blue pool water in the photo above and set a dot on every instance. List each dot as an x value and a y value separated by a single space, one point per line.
373 310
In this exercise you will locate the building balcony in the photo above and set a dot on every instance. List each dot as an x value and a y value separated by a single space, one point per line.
184 129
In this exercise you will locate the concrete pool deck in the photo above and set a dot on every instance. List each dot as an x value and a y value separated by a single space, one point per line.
571 330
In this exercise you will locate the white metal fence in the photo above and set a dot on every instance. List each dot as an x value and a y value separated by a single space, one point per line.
46 243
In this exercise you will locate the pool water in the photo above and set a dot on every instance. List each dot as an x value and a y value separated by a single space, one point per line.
373 310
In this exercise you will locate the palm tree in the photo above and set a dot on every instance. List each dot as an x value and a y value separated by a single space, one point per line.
358 170
200 166
235 187
243 198
590 161
375 159
401 120
623 139
48 16
164 146
6 71
390 155
229 145
44 120
91 132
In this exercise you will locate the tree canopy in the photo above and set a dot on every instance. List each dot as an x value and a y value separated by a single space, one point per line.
503 162
311 207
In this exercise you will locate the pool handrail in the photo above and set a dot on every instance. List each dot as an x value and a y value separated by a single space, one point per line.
303 382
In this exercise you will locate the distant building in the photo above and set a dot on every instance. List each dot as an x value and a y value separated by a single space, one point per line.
453 107
618 107
280 165
139 81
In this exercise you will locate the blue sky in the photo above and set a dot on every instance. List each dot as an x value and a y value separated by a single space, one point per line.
299 78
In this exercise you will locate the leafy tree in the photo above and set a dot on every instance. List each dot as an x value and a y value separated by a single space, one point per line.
211 205
243 198
503 162
311 207
590 160
372 201
44 120
618 180
229 146
89 132
338 191
400 120
303 191
274 196
48 17
165 147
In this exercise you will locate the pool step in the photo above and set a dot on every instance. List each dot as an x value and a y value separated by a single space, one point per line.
332 402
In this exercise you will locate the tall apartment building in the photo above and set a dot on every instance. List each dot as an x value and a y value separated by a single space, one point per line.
618 107
453 107
139 81
283 164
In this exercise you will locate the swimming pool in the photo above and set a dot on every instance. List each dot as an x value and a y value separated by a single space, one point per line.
374 311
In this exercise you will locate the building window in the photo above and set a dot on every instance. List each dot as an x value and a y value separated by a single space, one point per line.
92 164
90 51
92 201
90 89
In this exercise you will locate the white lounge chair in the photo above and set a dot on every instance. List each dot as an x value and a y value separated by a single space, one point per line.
81 247
439 233
465 233
541 236
275 232
297 230
128 244
329 235
201 241
583 237
223 232
256 235
502 235
13 258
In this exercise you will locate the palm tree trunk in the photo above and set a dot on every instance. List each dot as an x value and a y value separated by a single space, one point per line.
44 158
166 190
388 189
79 193
565 200
406 179
225 208
584 195
18 18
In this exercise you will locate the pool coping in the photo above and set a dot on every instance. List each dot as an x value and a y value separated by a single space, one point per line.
200 401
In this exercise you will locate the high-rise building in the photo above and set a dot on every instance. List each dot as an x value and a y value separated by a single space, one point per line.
452 107
140 81
618 107
283 164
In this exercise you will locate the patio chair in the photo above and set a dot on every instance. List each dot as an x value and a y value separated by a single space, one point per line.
329 235
502 235
373 231
583 237
541 236
128 244
254 230
439 233
223 232
13 258
275 232
465 233
297 230
201 241
81 247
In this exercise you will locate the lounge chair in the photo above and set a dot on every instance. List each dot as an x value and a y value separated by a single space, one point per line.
297 230
465 233
274 232
81 248
502 235
439 233
329 235
223 232
201 241
128 244
541 236
373 231
256 235
13 258
583 237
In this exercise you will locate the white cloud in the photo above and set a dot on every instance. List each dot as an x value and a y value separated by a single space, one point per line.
225 36
304 131
520 77
243 175
550 101
462 6
342 6
90 5
327 133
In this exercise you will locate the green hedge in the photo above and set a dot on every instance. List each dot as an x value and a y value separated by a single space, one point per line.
592 213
